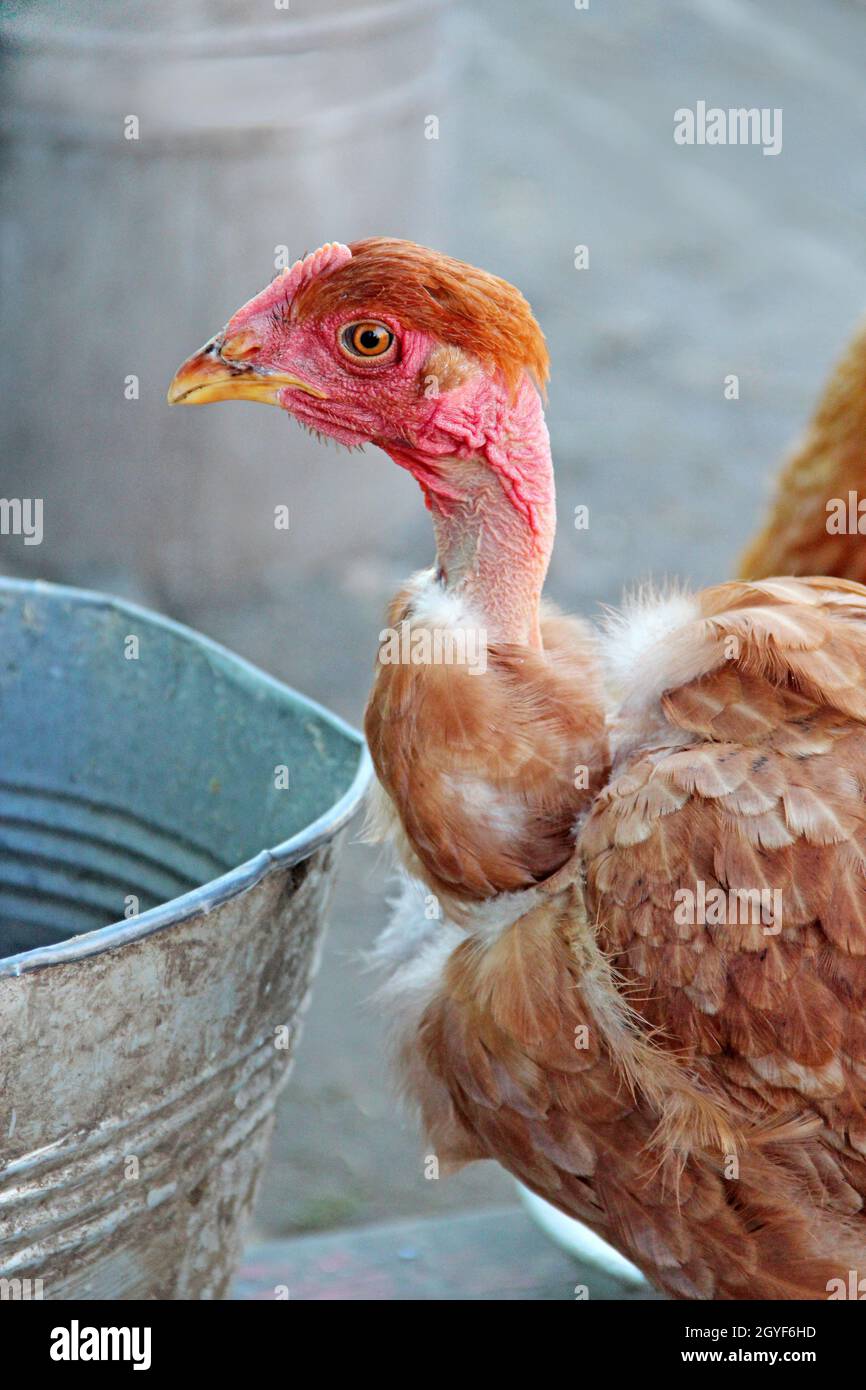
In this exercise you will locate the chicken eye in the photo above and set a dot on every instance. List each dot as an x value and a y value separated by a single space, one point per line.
366 339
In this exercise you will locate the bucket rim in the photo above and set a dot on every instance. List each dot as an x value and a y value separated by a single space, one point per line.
241 878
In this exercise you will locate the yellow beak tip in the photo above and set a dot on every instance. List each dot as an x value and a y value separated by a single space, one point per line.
204 378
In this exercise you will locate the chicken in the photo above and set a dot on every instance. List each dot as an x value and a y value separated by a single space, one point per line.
816 524
629 956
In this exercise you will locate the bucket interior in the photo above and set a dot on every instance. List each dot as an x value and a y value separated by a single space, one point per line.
138 761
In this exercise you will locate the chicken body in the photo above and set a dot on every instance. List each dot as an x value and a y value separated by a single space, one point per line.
817 522
630 959
667 1038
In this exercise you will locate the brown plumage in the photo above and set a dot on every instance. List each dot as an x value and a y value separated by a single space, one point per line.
692 1090
801 535
631 961
537 716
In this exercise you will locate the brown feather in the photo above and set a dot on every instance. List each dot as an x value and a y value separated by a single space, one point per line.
518 733
709 1042
829 463
456 303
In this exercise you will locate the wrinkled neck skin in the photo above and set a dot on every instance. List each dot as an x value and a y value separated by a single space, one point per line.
484 466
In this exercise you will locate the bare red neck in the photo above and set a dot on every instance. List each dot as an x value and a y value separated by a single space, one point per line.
487 476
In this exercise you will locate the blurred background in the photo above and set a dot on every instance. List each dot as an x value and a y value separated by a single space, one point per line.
161 160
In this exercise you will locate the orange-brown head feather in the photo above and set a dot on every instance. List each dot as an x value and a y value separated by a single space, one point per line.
485 317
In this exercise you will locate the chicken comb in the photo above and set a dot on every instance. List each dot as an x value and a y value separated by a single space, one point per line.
458 304
322 262
285 287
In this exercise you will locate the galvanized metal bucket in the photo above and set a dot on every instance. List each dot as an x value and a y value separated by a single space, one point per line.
155 954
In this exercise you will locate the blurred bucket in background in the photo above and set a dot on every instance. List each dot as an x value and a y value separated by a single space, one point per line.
157 160
585 1247
155 955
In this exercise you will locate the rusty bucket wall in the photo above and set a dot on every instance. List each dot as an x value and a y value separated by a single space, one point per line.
161 899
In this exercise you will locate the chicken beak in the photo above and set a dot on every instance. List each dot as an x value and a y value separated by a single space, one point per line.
211 375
